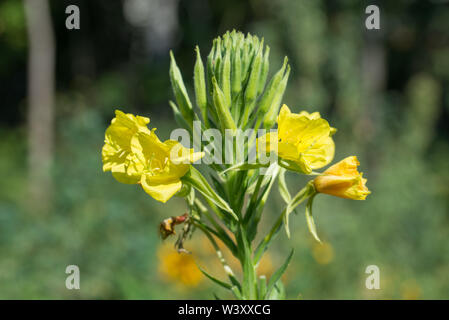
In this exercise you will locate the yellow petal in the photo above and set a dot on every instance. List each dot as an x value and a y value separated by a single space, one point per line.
343 180
179 154
160 191
319 154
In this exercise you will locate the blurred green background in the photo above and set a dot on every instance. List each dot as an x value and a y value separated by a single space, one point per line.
387 91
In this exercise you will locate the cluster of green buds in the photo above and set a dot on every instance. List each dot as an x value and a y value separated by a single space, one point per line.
232 91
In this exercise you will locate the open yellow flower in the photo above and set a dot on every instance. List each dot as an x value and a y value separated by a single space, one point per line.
163 164
343 180
303 139
116 153
134 154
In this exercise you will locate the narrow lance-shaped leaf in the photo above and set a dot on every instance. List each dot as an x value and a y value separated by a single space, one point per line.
309 219
303 194
196 180
278 291
278 274
200 87
179 90
219 282
283 189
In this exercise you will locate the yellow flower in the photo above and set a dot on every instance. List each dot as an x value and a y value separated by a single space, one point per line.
164 164
179 267
323 253
134 154
116 153
303 139
343 180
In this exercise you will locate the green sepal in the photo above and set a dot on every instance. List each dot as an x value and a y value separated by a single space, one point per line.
219 282
309 219
197 180
306 192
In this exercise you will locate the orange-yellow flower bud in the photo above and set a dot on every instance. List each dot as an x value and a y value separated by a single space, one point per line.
343 180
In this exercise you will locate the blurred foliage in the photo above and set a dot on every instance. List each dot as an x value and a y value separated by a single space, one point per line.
386 90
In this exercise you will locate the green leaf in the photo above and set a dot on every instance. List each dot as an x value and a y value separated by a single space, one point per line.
242 166
197 180
303 194
219 282
278 274
263 244
309 219
278 292
283 189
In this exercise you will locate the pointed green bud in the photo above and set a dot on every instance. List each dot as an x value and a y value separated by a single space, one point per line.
210 67
223 112
264 71
253 85
179 90
236 73
226 77
270 92
200 87
270 117
246 61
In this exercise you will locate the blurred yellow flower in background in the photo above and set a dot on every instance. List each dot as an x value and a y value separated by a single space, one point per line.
410 290
323 253
343 180
179 268
304 139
